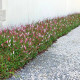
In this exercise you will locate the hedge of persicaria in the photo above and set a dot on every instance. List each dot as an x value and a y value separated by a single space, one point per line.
19 45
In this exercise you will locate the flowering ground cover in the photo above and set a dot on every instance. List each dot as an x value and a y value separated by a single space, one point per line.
19 45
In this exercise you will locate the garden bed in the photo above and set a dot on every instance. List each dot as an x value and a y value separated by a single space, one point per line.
20 45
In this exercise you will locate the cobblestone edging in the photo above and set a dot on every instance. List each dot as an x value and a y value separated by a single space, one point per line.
60 62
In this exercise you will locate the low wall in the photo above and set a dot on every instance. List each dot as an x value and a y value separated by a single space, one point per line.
28 11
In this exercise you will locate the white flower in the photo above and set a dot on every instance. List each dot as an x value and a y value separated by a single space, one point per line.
9 45
13 52
10 40
44 30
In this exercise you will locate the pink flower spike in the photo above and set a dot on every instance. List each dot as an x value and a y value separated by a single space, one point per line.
30 53
2 44
13 29
25 51
54 27
55 22
5 30
0 31
30 39
26 34
21 41
25 47
6 42
26 40
20 35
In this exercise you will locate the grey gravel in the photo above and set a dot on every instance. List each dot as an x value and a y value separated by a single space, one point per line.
60 62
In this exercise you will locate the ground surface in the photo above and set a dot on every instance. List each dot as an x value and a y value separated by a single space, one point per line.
60 62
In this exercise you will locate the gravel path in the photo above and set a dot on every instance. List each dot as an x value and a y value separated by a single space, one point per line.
60 62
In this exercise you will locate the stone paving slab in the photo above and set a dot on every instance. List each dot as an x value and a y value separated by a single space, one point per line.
60 62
